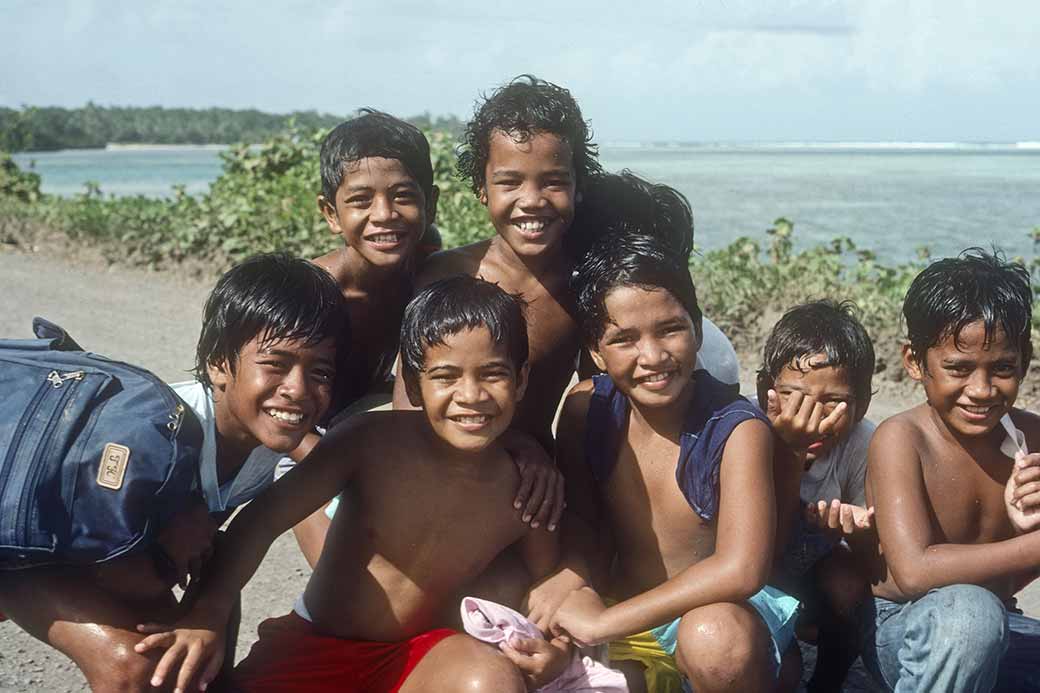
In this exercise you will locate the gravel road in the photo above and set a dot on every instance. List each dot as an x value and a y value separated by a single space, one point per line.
153 319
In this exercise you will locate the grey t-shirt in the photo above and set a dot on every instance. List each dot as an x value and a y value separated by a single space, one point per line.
841 473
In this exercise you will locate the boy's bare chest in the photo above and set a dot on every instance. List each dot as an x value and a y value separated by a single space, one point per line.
644 493
967 498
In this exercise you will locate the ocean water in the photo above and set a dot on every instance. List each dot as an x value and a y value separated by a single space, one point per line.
891 198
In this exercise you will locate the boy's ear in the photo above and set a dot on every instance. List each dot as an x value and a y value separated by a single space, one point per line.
411 388
483 195
219 375
598 359
522 378
431 205
328 210
913 368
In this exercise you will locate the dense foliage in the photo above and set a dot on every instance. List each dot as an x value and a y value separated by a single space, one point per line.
49 128
264 200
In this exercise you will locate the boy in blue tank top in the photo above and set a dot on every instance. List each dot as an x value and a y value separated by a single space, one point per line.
670 487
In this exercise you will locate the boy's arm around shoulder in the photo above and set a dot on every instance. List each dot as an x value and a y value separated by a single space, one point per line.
198 637
586 546
740 565
896 488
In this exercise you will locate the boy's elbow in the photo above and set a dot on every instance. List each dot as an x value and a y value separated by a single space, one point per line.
746 579
913 583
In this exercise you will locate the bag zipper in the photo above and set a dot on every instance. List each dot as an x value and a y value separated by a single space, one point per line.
37 462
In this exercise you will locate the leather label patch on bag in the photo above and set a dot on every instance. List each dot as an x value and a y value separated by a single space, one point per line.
113 466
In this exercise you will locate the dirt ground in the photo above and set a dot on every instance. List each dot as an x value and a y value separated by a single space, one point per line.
152 319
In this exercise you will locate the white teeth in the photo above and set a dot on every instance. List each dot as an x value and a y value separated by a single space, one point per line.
976 410
385 237
287 416
532 226
472 419
655 378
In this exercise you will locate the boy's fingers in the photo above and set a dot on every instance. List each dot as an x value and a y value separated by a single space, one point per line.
805 409
834 515
153 627
524 492
534 496
544 511
152 641
832 419
1029 503
188 666
1027 474
212 669
558 507
169 660
772 404
1023 490
815 416
847 523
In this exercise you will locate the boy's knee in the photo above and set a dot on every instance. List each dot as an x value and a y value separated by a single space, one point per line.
120 669
723 646
479 668
966 621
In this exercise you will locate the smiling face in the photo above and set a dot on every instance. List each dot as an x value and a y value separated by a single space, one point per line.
969 384
649 347
379 210
829 386
530 191
276 394
469 389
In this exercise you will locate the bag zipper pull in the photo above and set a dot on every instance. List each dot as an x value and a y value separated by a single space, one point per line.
175 419
58 379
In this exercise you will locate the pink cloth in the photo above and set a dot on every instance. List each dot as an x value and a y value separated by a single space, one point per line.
495 624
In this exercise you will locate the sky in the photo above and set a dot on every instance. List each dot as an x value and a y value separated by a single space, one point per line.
688 70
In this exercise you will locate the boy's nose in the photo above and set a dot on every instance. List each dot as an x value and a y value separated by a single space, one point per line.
294 384
979 386
382 209
531 197
651 353
470 391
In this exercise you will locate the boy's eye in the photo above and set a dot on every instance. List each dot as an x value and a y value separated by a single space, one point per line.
359 200
325 376
406 195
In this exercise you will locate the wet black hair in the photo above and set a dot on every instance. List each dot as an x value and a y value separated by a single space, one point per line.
611 199
459 303
626 256
952 293
524 107
820 327
273 297
374 133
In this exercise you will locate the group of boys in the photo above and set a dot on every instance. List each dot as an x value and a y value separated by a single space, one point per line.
701 531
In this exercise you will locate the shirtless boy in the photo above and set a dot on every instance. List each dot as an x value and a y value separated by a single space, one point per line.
428 511
953 552
678 470
378 195
527 153
265 363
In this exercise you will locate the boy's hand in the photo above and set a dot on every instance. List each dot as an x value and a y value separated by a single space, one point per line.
195 646
540 496
540 661
1022 493
579 616
839 517
800 420
546 597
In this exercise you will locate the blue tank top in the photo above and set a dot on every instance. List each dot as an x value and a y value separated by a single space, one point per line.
714 412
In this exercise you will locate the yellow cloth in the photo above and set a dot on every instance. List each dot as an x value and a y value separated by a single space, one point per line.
662 675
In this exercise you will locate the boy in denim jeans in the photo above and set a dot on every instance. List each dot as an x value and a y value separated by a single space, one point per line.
954 490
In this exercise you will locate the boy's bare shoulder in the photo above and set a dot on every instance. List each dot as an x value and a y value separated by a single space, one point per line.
576 402
376 429
897 436
448 263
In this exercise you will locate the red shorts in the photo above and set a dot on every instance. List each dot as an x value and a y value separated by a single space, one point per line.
290 656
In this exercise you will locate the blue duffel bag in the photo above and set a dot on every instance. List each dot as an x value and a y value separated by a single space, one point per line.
95 454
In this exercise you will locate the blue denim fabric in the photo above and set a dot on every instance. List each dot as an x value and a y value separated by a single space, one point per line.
955 638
